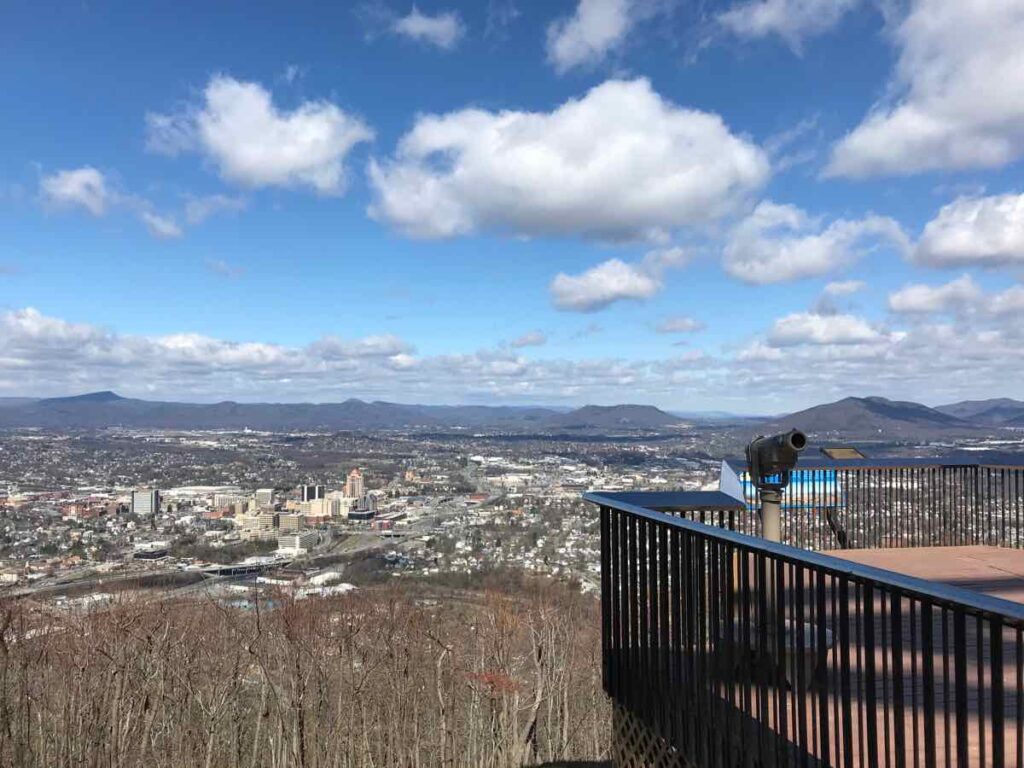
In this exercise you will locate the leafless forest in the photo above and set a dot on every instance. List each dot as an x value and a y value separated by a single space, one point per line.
393 676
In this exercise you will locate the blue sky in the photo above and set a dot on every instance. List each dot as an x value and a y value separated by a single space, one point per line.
750 205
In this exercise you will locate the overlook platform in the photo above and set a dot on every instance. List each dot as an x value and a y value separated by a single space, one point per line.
888 630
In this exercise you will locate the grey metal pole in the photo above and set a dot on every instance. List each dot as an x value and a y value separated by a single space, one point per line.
771 515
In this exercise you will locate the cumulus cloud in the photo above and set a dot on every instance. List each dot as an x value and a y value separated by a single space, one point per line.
680 324
961 296
792 20
758 351
979 231
603 285
594 29
385 345
89 189
618 163
614 280
931 361
844 287
163 227
959 86
83 187
443 30
811 328
1008 302
956 295
254 143
530 339
778 243
41 347
45 355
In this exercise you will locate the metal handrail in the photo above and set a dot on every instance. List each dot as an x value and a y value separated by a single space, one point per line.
941 594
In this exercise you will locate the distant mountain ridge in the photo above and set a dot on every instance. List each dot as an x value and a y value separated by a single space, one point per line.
849 418
996 411
97 410
875 417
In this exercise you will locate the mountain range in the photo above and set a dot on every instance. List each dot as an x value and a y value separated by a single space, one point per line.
999 411
879 417
108 409
849 418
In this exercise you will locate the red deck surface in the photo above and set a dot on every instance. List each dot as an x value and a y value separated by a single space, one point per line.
994 571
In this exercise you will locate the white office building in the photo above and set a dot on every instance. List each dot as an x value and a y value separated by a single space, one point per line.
145 502
294 544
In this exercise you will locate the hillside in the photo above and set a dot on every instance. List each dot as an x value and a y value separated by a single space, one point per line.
411 675
874 417
997 411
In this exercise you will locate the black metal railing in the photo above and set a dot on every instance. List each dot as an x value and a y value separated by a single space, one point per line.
891 503
728 650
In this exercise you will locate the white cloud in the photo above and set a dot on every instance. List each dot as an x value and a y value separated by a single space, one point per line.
530 339
980 231
680 324
47 355
792 20
961 296
89 189
443 29
809 328
255 144
618 163
384 345
614 280
959 86
779 243
603 285
83 187
161 226
818 360
594 29
844 287
758 350
1008 302
957 295
199 209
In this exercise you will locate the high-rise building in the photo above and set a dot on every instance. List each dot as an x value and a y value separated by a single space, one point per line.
265 497
354 484
145 502
259 526
289 523
337 504
298 543
312 492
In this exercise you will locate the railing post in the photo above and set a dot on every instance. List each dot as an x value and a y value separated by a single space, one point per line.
606 598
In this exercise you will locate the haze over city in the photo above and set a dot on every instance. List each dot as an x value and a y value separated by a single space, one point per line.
751 206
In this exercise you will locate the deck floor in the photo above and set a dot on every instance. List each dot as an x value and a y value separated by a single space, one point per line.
994 571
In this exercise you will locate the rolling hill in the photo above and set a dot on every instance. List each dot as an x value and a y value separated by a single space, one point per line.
615 417
875 417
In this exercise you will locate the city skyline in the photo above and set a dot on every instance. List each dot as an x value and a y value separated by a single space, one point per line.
752 206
